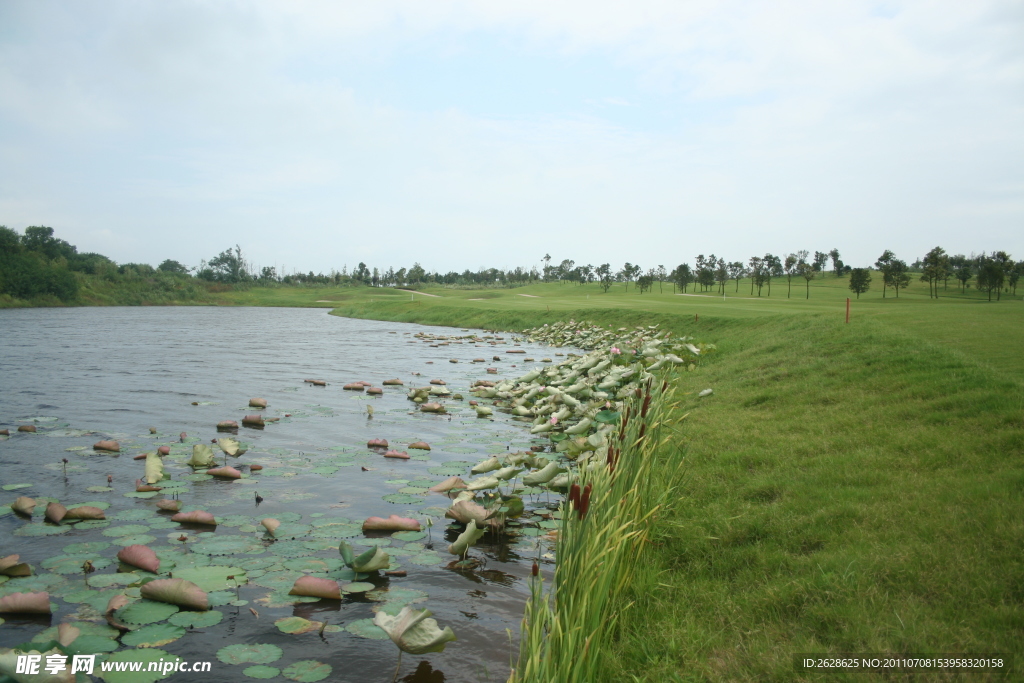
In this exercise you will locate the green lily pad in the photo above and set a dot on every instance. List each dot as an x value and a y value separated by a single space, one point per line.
91 645
404 596
257 563
279 599
87 547
338 531
290 549
425 559
15 487
295 625
92 524
314 564
142 494
72 564
145 612
307 671
260 671
41 529
408 535
402 499
213 577
125 530
135 539
220 598
235 520
131 515
357 587
143 656
249 653
365 628
153 635
107 580
228 545
196 619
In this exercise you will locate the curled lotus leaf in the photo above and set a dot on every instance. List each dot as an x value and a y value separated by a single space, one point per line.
454 482
270 524
316 587
85 512
392 523
177 592
489 465
296 625
9 566
154 468
140 556
465 511
25 603
202 456
169 505
195 517
543 475
231 446
10 660
108 445
55 512
24 505
420 445
482 483
413 631
372 560
226 472
466 539
66 633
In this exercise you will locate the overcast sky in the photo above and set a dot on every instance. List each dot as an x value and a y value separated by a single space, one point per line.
479 134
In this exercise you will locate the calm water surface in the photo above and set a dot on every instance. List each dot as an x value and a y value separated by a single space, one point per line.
83 374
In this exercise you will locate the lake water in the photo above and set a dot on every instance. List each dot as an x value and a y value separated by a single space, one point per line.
82 374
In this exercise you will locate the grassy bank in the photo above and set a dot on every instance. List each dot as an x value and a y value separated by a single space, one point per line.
847 488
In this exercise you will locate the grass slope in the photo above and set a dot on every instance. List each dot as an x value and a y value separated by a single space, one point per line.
847 488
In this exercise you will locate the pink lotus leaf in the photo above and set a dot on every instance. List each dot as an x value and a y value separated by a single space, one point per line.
55 512
392 523
169 505
448 484
140 556
107 445
24 505
9 566
377 443
195 517
316 587
25 603
397 455
177 592
421 445
226 472
66 633
85 512
270 524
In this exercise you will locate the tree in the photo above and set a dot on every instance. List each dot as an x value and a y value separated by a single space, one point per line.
1014 275
790 267
565 269
990 275
627 273
227 266
547 267
820 259
860 281
40 239
10 241
837 263
807 271
964 273
644 282
772 268
934 268
721 275
660 274
169 266
737 271
605 276
682 276
897 276
416 274
883 263
756 264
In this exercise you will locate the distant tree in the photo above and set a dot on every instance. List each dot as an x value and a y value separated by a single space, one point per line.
990 276
660 274
269 273
227 266
772 268
820 259
548 276
40 239
10 240
807 271
860 281
897 276
1014 274
882 264
721 274
933 269
682 276
605 276
416 274
837 263
964 273
169 266
789 267
586 273
627 273
736 272
756 269
565 269
644 282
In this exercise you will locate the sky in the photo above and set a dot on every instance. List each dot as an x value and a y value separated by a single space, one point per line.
461 134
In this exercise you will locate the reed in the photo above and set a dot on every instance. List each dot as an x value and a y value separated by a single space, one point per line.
606 522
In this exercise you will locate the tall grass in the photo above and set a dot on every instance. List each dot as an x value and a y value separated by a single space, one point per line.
606 521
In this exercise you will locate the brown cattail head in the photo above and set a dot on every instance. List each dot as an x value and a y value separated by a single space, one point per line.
585 501
535 570
574 496
647 404
637 392
664 386
643 429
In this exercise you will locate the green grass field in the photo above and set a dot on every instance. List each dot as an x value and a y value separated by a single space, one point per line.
847 488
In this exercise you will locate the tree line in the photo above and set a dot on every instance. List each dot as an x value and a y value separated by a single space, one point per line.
37 263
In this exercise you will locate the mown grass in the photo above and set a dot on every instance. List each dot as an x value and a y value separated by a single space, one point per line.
847 488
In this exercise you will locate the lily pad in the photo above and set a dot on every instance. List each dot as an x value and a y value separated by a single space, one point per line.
87 644
106 580
365 628
196 619
408 535
41 529
213 577
307 671
250 653
296 625
226 545
260 671
72 564
125 530
134 514
402 499
85 548
357 587
145 612
154 635
135 539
